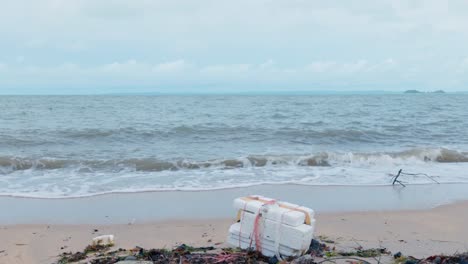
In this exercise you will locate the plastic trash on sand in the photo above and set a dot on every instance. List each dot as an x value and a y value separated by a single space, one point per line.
274 228
103 240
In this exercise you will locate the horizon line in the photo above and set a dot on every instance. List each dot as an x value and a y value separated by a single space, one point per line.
252 92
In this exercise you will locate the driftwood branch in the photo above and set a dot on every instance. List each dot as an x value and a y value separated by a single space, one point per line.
395 180
400 173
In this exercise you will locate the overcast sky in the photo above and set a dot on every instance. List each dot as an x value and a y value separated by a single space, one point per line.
106 46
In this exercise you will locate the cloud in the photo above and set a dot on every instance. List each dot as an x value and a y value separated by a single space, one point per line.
129 66
308 44
171 67
321 66
268 64
226 69
181 72
359 66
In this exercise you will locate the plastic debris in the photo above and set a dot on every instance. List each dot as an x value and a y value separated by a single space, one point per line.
103 240
271 227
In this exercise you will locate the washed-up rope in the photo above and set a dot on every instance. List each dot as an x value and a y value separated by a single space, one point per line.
256 231
224 257
227 257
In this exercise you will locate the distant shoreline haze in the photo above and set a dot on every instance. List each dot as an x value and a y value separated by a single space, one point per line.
287 93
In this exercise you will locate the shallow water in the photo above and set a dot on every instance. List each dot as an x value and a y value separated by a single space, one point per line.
62 146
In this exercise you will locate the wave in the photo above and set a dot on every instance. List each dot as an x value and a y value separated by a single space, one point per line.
306 130
9 164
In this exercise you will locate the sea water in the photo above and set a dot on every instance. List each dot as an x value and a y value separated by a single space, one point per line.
71 146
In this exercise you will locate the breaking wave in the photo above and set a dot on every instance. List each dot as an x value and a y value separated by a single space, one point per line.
58 178
10 164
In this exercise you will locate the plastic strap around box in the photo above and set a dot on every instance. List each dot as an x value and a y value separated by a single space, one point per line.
286 206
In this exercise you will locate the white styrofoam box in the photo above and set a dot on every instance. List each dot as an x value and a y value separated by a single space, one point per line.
297 237
302 208
103 240
281 225
267 249
245 243
243 240
274 212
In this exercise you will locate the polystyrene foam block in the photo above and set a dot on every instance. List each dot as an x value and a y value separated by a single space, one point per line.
243 240
302 208
296 237
268 251
272 212
266 244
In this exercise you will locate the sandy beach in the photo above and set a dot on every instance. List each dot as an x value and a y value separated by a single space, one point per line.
233 132
416 232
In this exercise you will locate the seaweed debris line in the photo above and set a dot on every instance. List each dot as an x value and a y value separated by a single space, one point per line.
266 231
318 252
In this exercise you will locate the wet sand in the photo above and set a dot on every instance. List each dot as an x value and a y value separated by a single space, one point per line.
151 206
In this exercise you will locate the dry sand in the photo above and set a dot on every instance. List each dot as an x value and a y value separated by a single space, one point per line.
418 233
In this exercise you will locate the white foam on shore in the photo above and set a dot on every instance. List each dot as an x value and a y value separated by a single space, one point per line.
86 188
369 169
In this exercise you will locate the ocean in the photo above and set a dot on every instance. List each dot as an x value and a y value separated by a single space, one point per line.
73 146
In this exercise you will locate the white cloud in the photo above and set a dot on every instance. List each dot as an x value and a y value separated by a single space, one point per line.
226 69
132 67
170 67
268 64
438 16
120 67
367 74
272 42
321 66
359 66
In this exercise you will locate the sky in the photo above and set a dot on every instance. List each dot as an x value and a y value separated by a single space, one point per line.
140 46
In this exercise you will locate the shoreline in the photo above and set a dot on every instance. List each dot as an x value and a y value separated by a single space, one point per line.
123 208
221 189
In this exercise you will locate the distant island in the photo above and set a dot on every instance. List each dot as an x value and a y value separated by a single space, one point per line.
416 91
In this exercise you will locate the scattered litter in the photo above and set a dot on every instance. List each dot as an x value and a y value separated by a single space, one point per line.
317 252
103 240
366 253
435 259
69 257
